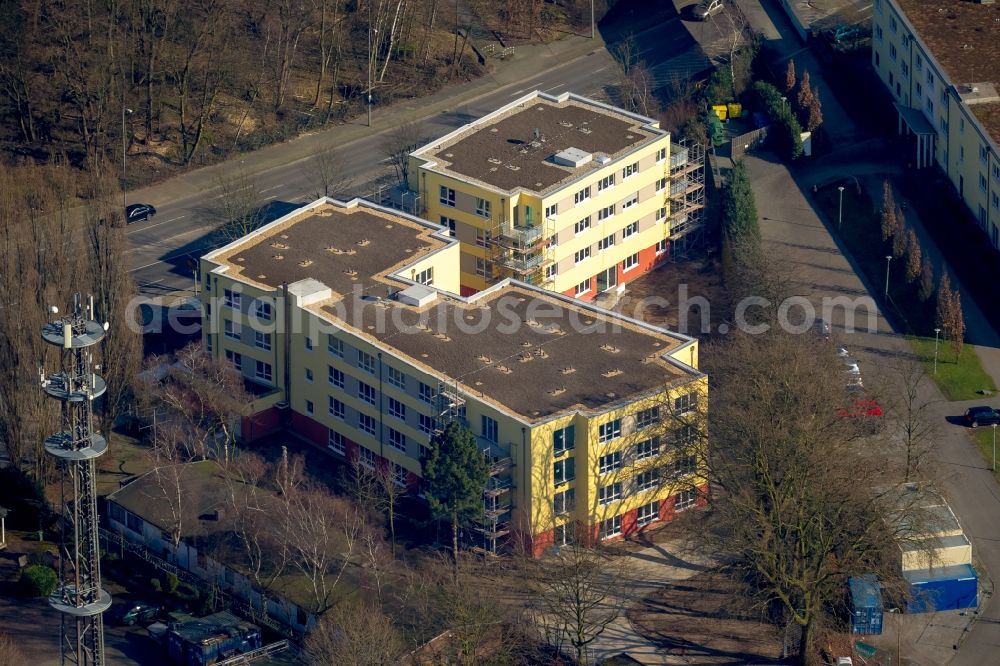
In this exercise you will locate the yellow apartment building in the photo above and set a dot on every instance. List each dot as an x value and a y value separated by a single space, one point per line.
563 192
348 319
938 58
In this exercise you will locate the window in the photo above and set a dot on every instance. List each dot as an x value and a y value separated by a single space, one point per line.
661 154
892 24
447 196
982 182
685 435
552 211
262 310
564 439
231 299
609 493
611 527
309 375
683 466
984 154
366 423
685 499
661 214
930 106
630 230
878 33
426 393
399 475
564 471
605 213
551 270
647 417
397 409
919 63
878 6
944 97
582 225
335 442
133 522
366 393
609 431
426 424
685 404
930 79
605 183
920 89
610 462
366 362
482 237
630 170
995 200
564 502
307 343
397 440
366 456
232 329
877 56
490 428
996 172
334 376
484 268
583 287
605 243
262 340
208 343
336 408
905 70
904 40
483 207
892 51
631 201
582 195
661 184
661 246
449 224
961 154
425 276
235 358
647 480
310 408
335 345
647 448
262 371
580 255
647 514
630 262
395 377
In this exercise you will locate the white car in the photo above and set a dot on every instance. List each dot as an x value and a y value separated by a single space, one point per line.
706 8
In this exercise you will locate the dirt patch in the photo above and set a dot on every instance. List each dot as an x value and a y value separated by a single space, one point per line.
699 617
686 296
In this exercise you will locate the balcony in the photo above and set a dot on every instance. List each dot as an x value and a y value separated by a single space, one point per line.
678 156
523 263
523 235
679 186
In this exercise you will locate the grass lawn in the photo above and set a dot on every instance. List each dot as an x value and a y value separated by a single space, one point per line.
125 457
983 439
958 381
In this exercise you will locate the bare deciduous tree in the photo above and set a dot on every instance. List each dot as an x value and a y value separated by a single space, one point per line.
916 428
889 220
790 77
398 145
10 653
913 256
241 206
354 635
328 172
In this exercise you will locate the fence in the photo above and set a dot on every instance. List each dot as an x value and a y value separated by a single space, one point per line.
744 143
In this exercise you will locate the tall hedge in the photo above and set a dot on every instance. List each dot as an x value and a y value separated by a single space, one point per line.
785 135
38 580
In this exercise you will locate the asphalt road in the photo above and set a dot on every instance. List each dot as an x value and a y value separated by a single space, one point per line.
164 249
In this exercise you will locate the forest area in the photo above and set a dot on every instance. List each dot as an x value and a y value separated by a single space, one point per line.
176 84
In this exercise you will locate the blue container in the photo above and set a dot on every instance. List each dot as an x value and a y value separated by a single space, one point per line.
943 588
866 604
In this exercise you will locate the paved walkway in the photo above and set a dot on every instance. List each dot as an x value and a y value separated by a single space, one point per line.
793 230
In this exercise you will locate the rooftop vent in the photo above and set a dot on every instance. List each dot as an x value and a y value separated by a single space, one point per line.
484 358
363 242
305 263
558 391
504 369
613 372
602 159
573 157
568 370
584 130
279 246
610 348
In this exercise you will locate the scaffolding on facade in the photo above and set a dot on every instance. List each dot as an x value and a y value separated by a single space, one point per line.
490 534
79 597
686 196
523 252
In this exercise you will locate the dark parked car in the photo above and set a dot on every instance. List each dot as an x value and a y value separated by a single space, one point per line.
977 416
138 612
138 213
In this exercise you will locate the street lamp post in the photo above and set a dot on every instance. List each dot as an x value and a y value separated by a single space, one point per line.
888 260
994 448
591 19
936 332
899 629
840 206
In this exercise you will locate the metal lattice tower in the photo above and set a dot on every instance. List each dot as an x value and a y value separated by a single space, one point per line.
80 599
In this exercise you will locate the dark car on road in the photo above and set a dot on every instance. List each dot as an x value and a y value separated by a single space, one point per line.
977 416
137 612
138 212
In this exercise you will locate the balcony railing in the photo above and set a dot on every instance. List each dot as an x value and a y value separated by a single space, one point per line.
678 186
523 235
523 263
